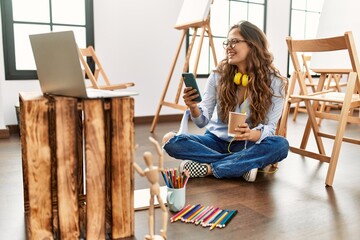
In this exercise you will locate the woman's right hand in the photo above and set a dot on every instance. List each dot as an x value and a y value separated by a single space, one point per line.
189 95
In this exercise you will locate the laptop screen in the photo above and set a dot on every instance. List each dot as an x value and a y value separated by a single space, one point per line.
58 65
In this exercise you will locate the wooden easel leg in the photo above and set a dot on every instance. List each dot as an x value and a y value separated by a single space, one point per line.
199 51
156 117
186 64
212 46
206 28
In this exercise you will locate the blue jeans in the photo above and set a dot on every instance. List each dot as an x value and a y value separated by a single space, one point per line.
212 150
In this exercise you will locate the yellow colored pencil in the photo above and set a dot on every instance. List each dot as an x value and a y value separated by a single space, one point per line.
219 220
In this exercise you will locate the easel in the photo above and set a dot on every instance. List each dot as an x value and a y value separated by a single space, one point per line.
205 26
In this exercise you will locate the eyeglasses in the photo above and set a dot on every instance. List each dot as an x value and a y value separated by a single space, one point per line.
232 42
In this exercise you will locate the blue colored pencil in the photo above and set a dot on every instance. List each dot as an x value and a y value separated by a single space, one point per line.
228 218
201 214
197 206
210 217
219 220
206 224
197 213
206 216
217 217
165 180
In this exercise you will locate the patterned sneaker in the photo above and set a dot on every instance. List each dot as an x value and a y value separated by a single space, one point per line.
195 169
250 176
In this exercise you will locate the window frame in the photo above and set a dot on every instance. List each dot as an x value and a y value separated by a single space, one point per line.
11 73
306 11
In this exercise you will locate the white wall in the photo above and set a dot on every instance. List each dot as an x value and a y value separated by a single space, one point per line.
2 123
138 44
277 28
330 26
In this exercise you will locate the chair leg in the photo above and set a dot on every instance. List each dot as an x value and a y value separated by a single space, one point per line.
322 109
296 111
312 124
340 130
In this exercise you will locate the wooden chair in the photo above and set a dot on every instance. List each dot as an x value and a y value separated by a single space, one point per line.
332 82
308 82
84 53
349 99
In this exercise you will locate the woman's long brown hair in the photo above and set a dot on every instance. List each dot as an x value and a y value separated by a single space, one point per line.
259 69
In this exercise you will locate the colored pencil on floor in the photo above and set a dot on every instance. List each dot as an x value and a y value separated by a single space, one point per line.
216 218
206 210
227 220
207 223
210 211
189 219
185 212
172 219
219 220
207 216
183 218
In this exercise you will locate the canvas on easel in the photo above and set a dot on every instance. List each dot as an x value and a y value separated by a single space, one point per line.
195 15
193 12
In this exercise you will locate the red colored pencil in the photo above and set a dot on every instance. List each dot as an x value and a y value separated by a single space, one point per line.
172 219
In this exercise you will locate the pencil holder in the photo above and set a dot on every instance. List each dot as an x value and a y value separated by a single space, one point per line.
176 198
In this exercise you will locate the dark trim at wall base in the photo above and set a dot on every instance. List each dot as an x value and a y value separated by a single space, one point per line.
163 118
13 129
5 133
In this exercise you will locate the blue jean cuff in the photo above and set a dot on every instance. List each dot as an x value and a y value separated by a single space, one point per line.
214 171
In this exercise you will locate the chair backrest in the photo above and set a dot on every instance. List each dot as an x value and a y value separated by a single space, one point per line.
345 42
305 60
89 52
307 73
94 77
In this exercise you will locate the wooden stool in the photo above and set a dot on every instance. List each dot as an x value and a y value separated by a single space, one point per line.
77 157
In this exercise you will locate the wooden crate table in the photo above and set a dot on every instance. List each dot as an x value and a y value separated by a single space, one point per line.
77 157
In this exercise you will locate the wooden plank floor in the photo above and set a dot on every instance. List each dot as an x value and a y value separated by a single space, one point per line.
292 204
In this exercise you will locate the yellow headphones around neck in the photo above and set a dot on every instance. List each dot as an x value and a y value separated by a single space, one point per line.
242 79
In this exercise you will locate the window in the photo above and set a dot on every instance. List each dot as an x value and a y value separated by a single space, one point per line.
224 14
304 20
18 22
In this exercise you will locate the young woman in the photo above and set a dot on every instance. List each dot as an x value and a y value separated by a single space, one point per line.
246 81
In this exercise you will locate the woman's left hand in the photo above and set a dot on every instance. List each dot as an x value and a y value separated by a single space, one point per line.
242 132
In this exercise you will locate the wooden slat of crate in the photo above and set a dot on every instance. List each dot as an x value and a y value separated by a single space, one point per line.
54 185
95 168
122 145
80 172
36 165
66 155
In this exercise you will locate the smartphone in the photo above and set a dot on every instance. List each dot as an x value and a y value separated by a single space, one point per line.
190 81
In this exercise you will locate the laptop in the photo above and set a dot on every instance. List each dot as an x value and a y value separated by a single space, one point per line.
59 70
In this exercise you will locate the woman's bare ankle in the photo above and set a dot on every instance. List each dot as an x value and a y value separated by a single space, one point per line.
209 171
